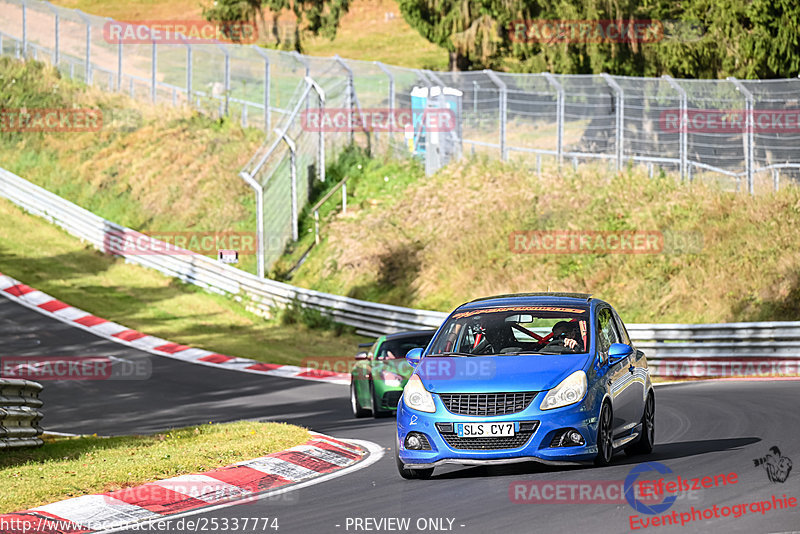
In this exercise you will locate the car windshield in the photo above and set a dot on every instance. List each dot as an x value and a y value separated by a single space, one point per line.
515 330
397 348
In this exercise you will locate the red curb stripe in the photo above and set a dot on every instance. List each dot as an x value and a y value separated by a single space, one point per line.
53 305
304 460
171 348
321 373
129 335
247 478
215 358
158 499
19 290
342 444
264 367
91 320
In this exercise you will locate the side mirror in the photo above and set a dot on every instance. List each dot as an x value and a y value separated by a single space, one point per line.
361 356
618 351
414 356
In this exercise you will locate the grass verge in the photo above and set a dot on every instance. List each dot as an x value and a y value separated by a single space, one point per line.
47 258
70 467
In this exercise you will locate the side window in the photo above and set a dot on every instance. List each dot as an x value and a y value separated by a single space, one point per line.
606 331
623 332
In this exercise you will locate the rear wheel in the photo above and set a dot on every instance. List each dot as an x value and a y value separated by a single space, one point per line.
358 411
648 437
411 474
605 438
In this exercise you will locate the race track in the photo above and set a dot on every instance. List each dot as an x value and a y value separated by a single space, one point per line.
703 429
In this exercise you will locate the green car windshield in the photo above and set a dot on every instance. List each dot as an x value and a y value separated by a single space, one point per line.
515 330
397 348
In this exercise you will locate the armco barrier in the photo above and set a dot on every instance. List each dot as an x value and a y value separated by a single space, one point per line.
737 342
19 413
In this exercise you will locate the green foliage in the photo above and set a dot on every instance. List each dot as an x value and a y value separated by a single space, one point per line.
321 16
694 39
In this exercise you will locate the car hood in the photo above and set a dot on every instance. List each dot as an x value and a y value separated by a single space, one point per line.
479 374
399 366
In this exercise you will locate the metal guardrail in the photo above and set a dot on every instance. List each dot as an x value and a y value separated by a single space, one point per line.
764 341
19 413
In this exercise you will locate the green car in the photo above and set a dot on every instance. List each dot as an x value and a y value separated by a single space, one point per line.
380 374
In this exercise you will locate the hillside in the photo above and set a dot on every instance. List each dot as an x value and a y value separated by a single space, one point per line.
435 243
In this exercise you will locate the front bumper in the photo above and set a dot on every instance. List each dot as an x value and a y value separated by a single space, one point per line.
581 417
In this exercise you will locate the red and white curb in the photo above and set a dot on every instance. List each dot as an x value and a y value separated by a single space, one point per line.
319 459
47 305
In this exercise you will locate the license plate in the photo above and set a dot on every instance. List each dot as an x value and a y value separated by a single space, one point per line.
485 430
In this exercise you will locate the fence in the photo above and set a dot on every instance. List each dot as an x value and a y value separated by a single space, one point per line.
19 413
743 134
674 349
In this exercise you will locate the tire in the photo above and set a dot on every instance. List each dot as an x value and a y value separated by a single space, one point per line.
376 411
605 437
646 441
358 411
411 474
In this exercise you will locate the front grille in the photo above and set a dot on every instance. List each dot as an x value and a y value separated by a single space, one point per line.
486 404
527 430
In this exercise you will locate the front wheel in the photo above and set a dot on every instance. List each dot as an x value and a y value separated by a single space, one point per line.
358 411
648 438
605 438
411 474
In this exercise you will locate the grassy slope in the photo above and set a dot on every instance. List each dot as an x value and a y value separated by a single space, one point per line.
70 467
445 240
372 30
149 168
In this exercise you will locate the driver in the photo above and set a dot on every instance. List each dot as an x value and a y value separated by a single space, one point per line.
566 332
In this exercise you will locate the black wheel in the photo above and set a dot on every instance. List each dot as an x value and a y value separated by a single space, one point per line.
376 410
605 439
411 474
358 411
648 438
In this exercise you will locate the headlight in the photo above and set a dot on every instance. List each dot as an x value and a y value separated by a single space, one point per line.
391 379
417 397
571 390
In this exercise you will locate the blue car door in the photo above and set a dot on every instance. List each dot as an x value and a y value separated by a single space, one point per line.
623 395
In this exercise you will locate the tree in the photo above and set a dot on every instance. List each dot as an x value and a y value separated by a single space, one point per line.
321 16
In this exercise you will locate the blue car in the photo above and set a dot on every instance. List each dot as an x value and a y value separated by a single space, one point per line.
545 377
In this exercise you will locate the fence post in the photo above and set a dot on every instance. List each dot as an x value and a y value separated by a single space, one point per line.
88 70
349 95
189 73
559 116
56 32
293 165
748 133
24 29
321 148
775 179
119 58
619 117
391 93
683 125
227 78
259 190
503 111
267 118
153 68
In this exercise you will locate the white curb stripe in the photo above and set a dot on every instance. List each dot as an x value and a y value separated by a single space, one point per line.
98 511
282 468
108 329
203 488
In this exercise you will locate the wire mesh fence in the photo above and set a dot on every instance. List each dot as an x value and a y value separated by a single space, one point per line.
742 134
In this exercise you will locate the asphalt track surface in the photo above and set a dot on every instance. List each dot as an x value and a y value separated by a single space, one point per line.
703 429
